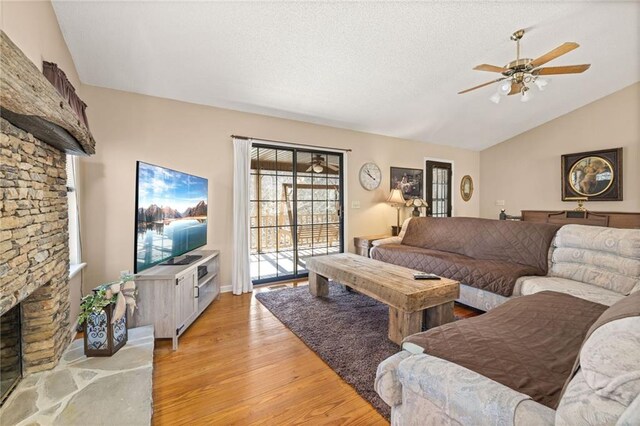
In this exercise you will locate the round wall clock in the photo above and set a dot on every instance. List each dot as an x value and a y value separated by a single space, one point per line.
370 176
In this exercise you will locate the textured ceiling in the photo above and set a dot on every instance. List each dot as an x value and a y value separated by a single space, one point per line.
386 68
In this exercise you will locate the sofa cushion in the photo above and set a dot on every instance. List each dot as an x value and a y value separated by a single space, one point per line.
581 406
622 242
624 308
531 285
529 343
525 243
604 257
495 276
462 394
480 299
610 360
403 228
606 385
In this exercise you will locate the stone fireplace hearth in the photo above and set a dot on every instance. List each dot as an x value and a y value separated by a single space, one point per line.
34 249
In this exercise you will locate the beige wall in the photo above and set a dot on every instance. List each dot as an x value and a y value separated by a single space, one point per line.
525 171
33 27
196 139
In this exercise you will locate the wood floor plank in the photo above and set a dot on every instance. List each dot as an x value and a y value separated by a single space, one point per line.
238 365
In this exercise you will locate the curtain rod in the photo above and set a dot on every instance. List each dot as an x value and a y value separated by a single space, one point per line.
291 143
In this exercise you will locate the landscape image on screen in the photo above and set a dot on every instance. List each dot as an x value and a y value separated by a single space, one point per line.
171 216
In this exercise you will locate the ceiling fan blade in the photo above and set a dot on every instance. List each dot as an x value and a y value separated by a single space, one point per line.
333 167
309 169
515 88
558 51
482 85
490 68
568 69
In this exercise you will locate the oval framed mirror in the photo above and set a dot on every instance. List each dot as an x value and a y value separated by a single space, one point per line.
466 187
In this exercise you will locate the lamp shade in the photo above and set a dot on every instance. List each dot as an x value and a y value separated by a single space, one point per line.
416 202
395 197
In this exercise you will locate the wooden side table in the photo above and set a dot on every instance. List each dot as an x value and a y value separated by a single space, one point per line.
363 244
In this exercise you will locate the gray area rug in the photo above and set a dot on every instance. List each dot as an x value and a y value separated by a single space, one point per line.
347 330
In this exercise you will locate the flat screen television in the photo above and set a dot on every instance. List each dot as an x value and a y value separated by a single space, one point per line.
171 214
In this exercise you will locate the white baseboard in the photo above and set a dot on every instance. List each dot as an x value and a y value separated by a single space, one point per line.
226 289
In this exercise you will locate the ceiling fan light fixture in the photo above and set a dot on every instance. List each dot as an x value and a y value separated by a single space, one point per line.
526 96
317 168
504 87
495 98
541 83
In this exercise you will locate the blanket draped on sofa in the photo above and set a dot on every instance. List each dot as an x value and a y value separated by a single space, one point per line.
486 254
529 344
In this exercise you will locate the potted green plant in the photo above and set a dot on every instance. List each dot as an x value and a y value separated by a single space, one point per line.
104 315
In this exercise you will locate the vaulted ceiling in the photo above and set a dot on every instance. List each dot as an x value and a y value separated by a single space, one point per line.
386 68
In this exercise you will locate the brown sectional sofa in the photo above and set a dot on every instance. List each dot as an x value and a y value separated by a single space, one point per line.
489 255
591 262
530 360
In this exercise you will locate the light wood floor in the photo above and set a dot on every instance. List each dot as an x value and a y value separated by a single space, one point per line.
237 364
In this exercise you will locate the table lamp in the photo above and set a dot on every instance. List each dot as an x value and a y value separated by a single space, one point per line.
396 199
580 200
417 204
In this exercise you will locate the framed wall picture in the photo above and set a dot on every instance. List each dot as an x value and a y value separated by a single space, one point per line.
595 175
409 181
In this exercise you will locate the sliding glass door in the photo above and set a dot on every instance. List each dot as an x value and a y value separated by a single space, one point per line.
296 210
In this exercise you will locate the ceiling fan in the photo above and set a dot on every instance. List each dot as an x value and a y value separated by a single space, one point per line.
318 164
522 71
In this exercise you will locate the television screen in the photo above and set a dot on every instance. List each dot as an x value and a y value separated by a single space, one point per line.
171 214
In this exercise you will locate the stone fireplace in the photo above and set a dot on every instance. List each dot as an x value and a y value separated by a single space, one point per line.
38 127
10 351
34 250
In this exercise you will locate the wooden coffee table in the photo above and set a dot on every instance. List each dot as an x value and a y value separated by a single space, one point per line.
411 302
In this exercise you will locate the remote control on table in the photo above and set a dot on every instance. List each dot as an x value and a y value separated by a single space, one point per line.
425 276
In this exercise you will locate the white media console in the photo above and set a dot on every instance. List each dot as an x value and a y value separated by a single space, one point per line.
171 297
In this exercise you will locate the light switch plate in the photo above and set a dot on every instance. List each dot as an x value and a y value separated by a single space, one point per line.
355 204
499 202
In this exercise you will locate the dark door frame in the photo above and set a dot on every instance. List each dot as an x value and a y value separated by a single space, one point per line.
428 183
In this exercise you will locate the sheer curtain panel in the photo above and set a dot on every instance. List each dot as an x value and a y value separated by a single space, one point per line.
241 275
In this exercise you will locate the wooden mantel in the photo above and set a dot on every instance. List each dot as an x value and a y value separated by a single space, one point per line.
29 101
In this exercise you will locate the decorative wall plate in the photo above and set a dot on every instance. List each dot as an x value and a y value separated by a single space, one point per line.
466 187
